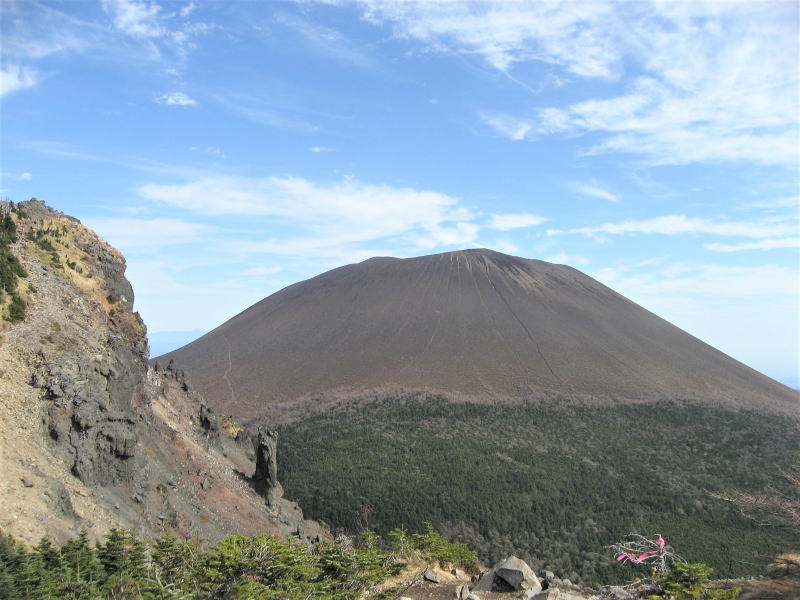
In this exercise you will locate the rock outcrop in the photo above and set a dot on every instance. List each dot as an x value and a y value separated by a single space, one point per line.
515 578
101 439
510 575
266 475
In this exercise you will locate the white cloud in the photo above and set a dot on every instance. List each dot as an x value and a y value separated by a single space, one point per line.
176 99
514 221
703 81
713 281
332 218
596 191
213 150
502 245
505 33
719 86
513 128
138 31
261 271
188 9
319 149
137 19
18 176
767 244
562 258
792 202
14 77
147 236
681 224
340 220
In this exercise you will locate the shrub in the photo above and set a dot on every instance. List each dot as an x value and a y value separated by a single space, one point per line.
434 547
350 569
687 581
16 309
261 567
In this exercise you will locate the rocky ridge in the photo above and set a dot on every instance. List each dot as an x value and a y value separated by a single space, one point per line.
96 438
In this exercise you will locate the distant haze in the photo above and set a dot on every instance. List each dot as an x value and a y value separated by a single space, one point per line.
162 342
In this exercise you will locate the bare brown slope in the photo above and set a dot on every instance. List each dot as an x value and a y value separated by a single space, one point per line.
476 322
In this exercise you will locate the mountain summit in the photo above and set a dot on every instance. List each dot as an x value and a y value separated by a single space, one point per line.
474 322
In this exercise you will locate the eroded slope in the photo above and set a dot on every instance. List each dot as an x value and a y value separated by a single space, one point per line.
92 436
473 322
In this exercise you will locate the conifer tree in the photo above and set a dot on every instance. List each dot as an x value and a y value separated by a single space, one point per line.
124 560
81 567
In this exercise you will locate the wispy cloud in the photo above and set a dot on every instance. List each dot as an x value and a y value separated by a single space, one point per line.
514 221
563 258
212 150
505 33
767 244
712 280
513 128
176 99
704 81
259 111
188 9
327 42
58 149
792 202
681 224
14 77
591 189
138 31
321 149
329 220
147 236
343 220
25 176
262 271
138 19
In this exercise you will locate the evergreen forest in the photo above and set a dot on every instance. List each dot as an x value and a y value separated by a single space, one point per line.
551 482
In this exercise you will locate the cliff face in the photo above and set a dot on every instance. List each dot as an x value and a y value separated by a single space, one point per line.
92 436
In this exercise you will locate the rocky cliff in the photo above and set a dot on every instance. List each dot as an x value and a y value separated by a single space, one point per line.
95 438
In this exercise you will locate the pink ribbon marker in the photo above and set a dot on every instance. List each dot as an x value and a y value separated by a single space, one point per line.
638 559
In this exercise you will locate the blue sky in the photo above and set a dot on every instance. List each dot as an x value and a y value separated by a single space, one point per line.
233 148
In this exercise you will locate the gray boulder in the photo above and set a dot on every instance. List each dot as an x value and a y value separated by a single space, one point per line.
510 575
485 582
517 574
